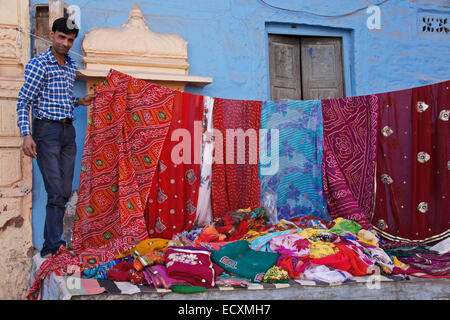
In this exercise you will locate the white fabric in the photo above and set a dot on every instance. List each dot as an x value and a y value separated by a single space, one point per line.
442 247
325 274
127 287
204 207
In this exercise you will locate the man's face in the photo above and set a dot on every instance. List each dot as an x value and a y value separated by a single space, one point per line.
62 42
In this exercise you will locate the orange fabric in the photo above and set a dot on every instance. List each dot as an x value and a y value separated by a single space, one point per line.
128 123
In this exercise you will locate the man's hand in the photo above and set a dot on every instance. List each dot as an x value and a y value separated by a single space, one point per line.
29 146
86 100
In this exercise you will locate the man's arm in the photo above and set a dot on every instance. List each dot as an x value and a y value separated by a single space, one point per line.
34 80
86 100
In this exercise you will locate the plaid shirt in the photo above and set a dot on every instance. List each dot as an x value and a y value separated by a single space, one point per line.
48 89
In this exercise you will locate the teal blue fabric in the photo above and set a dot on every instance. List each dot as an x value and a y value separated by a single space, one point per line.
298 181
238 258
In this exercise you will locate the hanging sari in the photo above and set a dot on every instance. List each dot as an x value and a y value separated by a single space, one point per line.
413 163
235 181
128 123
204 207
172 204
350 142
298 180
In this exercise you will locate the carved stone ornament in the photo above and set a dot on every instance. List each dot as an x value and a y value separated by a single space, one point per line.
138 51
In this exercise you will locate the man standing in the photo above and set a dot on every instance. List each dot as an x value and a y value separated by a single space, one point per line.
48 90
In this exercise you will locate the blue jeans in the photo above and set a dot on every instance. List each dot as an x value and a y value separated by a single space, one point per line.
56 151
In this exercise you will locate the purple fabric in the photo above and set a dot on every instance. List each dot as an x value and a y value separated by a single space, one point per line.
158 277
432 264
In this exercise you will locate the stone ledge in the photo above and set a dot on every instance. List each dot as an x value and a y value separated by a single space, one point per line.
55 287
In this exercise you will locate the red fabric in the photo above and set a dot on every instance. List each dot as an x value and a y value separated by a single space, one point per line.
235 184
124 271
128 123
191 264
349 156
172 204
345 259
403 182
290 264
59 262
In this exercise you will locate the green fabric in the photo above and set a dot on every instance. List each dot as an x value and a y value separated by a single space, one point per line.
346 225
237 257
187 289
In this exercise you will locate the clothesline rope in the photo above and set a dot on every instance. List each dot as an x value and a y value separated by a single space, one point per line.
19 30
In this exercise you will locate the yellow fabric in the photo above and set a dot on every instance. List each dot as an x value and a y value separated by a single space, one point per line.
320 249
285 225
399 264
252 234
367 237
338 220
309 232
148 245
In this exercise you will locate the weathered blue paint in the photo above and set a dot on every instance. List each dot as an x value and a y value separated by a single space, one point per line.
228 42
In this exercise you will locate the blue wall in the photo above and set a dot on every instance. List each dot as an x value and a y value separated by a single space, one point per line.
228 41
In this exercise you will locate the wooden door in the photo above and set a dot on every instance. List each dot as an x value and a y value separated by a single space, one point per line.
305 68
284 61
322 72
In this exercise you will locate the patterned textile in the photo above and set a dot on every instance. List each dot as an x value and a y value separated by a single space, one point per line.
149 259
413 163
431 264
235 181
128 124
119 161
101 271
298 180
350 145
204 206
48 90
291 245
157 276
190 264
58 263
124 271
172 203
237 286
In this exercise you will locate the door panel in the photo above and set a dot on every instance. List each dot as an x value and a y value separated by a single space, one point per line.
305 68
322 72
284 61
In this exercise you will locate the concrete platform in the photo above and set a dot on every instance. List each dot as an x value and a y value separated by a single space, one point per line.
417 289
412 288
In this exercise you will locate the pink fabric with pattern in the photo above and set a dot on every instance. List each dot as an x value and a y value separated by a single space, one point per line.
349 156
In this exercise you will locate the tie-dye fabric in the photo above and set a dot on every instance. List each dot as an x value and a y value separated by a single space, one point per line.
298 180
350 153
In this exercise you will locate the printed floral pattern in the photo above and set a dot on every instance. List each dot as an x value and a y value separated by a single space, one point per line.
298 182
